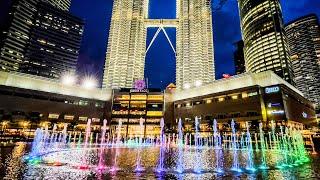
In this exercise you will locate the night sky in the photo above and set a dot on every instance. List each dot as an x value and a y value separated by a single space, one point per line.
160 60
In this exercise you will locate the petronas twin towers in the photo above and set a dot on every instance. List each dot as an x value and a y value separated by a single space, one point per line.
127 47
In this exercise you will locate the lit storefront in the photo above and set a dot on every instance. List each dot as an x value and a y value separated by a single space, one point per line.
251 99
131 106
30 103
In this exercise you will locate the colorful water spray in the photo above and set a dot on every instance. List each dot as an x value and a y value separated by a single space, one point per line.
160 167
180 148
235 163
139 168
285 147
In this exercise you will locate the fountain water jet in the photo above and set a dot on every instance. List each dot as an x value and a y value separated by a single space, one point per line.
197 167
250 165
162 141
139 168
102 145
235 163
180 146
217 147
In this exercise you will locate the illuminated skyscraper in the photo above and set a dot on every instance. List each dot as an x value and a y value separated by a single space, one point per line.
265 43
126 52
304 40
39 37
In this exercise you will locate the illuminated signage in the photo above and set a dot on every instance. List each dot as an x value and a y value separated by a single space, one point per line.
274 105
139 86
139 91
271 90
95 120
276 112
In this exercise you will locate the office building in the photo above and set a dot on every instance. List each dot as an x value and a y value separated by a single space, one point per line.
126 52
30 35
239 62
304 41
265 43
54 43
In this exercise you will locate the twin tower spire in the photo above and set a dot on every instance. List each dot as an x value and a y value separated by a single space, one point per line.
127 47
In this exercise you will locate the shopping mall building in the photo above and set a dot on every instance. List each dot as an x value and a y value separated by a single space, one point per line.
28 102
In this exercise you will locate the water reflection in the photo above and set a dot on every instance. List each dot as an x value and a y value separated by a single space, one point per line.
15 168
13 164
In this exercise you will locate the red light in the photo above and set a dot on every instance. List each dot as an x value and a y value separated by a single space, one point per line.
226 76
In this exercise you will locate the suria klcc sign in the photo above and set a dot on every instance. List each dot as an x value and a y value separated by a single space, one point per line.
274 89
139 86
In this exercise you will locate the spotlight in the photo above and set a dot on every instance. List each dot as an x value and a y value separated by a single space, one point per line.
68 79
89 83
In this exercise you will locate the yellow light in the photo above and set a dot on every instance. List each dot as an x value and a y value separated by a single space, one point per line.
235 97
221 99
138 97
155 97
25 124
244 95
4 123
154 113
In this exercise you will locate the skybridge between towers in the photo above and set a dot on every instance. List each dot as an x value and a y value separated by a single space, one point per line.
127 46
165 23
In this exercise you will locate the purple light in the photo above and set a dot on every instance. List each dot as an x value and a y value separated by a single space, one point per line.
139 85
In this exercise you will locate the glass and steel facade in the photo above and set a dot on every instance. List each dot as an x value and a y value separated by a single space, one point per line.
54 43
126 52
265 44
304 41
28 27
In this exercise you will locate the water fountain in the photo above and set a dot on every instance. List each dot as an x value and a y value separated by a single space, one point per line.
160 167
217 147
188 153
235 163
250 165
197 167
118 142
102 146
139 168
180 148
84 156
263 148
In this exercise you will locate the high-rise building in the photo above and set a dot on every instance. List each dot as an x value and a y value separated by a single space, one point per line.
265 43
54 43
28 28
126 52
238 56
304 42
